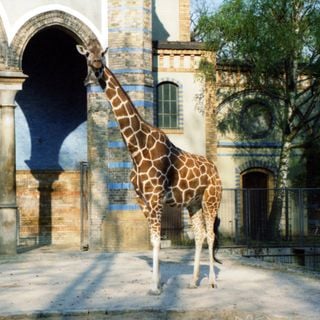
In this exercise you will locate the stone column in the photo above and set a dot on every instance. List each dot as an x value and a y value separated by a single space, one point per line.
10 84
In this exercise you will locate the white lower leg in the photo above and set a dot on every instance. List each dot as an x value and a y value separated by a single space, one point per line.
211 267
196 267
155 285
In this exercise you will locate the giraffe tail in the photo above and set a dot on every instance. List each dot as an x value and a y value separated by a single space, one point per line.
216 239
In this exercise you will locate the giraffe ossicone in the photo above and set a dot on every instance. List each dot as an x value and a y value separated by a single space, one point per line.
162 173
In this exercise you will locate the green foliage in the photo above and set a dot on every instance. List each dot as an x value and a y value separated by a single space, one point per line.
279 43
265 34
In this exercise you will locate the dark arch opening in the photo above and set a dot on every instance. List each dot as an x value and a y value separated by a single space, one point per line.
255 203
53 104
53 99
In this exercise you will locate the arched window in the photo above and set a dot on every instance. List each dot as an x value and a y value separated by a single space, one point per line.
168 105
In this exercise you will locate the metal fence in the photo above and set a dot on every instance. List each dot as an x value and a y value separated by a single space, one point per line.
245 216
245 222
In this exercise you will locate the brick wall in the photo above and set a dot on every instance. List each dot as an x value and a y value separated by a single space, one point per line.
130 58
49 207
184 20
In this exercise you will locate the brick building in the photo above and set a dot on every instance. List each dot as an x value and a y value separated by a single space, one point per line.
64 168
63 165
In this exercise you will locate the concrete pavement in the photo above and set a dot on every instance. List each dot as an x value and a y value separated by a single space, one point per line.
62 284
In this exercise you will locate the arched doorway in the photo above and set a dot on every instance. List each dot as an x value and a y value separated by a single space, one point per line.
53 105
256 202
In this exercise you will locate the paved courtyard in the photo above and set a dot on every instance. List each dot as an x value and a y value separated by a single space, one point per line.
51 284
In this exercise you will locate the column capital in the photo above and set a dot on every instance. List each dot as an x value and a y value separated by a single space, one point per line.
10 83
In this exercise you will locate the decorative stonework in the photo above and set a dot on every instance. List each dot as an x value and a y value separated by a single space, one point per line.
254 163
175 60
44 20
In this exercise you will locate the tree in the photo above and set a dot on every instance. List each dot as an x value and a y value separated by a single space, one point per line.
279 43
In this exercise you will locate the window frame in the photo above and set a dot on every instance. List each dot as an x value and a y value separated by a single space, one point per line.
168 106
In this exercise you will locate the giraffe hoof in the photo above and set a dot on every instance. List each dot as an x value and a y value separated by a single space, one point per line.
154 292
192 286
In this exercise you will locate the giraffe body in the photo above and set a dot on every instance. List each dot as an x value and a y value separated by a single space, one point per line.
162 173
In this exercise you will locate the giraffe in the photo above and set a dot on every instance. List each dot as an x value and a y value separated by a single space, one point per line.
162 173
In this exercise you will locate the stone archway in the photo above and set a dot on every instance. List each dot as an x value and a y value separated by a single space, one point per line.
72 24
51 217
51 123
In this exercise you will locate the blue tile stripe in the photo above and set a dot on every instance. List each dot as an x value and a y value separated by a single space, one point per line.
143 103
112 124
120 165
262 144
137 88
120 186
247 155
142 71
123 207
94 89
116 144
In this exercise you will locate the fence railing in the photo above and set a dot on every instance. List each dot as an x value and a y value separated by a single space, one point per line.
244 218
245 222
249 212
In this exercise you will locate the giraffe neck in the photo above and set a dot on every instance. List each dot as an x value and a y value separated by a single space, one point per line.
129 120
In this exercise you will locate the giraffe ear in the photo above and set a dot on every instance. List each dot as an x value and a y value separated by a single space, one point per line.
81 49
105 51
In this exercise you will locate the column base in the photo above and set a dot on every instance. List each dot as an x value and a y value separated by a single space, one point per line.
8 230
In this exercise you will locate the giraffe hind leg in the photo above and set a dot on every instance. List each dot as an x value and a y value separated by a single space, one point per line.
198 227
209 205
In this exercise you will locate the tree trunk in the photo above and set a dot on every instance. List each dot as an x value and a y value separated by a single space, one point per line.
273 227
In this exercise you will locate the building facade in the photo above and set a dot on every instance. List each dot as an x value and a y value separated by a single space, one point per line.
64 169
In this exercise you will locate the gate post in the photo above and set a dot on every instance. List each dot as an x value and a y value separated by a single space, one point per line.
10 84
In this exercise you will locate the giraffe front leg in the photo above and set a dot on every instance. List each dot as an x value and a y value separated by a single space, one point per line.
155 284
155 234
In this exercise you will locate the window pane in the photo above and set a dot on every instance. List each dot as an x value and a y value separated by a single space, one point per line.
160 107
166 107
174 107
173 95
160 122
166 121
174 121
166 89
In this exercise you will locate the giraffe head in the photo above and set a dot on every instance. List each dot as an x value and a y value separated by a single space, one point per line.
95 56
